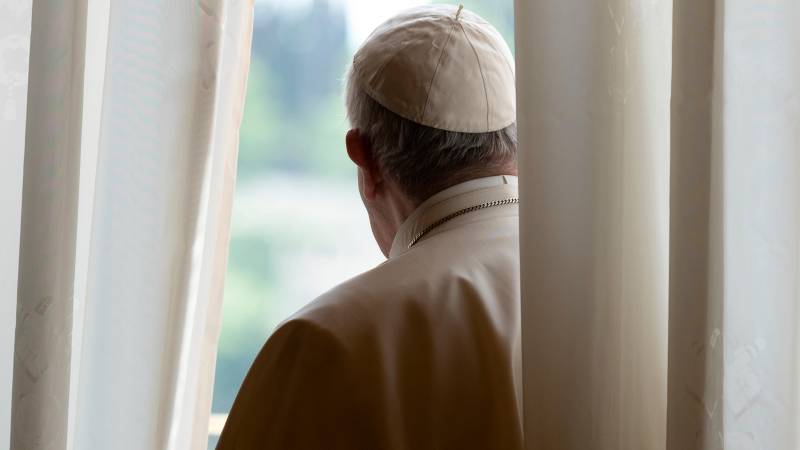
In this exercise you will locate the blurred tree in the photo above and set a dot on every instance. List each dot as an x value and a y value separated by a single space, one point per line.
294 116
306 47
259 136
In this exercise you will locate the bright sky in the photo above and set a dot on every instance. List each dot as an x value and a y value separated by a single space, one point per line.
362 15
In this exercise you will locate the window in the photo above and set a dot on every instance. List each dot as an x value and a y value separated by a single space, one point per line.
299 227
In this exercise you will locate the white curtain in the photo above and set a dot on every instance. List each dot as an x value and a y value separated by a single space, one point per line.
15 31
660 223
133 112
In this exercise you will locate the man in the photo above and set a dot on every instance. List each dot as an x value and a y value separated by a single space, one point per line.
421 352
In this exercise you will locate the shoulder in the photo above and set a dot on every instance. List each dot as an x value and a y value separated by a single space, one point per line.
298 348
356 308
416 281
302 333
301 380
385 283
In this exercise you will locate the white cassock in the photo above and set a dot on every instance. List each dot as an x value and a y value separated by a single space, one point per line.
421 352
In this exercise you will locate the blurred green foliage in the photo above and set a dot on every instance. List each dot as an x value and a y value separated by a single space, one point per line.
294 116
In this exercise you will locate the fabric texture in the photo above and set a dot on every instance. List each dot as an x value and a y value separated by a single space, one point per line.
129 170
15 26
660 224
440 66
421 352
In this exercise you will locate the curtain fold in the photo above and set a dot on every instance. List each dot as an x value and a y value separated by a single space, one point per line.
660 219
593 118
138 372
15 31
696 296
48 226
735 230
203 325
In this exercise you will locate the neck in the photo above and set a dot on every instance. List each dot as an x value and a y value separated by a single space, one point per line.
387 218
395 207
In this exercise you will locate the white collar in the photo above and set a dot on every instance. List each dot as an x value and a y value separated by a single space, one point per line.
448 201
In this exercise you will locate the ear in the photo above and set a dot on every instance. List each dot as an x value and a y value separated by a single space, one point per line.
360 152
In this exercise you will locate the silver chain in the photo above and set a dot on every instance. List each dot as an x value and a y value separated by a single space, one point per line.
461 212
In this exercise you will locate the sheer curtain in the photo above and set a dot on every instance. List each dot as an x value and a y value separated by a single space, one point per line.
660 218
15 31
131 131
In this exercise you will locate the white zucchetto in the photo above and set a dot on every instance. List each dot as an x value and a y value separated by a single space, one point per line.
440 66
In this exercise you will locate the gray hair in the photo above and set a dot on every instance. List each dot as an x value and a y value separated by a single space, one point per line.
425 160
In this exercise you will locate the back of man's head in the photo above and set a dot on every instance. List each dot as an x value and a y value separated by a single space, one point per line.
432 90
